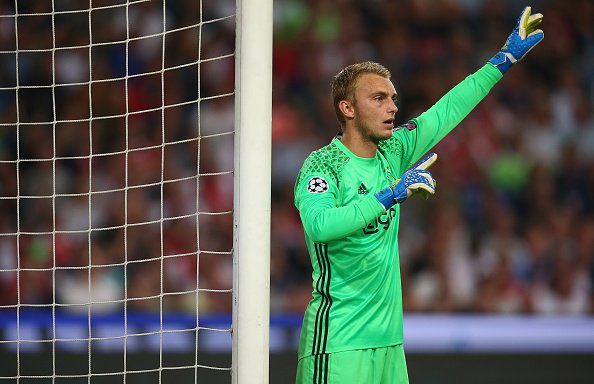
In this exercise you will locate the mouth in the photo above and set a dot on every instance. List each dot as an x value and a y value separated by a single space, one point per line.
388 122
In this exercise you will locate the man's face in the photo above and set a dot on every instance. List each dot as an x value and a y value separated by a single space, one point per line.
374 107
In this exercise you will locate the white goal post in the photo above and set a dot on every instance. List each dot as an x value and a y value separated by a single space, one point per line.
253 116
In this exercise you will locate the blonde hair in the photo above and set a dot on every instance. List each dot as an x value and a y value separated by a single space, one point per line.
343 84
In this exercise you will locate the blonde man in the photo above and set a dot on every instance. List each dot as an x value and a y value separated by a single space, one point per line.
348 194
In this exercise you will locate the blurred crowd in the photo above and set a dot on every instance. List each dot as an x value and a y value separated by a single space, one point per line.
99 182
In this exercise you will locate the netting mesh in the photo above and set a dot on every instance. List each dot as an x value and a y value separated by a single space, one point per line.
116 159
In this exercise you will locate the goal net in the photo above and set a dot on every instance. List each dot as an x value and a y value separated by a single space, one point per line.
134 190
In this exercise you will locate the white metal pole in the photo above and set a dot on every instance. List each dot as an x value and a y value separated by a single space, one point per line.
251 254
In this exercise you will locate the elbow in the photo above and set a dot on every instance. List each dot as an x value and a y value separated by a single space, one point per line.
318 234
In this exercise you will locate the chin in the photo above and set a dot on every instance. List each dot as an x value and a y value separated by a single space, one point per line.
386 134
377 138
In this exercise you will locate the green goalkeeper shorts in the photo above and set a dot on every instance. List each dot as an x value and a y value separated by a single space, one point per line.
363 366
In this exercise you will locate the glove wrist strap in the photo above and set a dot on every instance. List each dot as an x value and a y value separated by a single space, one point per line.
502 61
386 198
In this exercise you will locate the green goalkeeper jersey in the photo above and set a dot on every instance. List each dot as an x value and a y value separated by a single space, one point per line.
352 240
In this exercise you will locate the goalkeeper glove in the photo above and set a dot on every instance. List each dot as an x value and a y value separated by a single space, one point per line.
415 180
522 39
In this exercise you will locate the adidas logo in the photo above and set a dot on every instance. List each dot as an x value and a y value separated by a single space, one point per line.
363 189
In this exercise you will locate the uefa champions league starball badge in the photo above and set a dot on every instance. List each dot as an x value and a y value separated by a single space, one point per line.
317 184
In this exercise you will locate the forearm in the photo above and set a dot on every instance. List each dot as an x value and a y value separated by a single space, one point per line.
439 120
323 223
455 105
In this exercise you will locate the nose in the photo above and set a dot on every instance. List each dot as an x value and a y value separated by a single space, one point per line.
392 108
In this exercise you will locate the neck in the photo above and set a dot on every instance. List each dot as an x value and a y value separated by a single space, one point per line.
358 144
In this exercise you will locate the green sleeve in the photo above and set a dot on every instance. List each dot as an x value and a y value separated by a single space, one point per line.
322 217
434 124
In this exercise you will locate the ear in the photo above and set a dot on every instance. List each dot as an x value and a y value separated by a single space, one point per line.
347 108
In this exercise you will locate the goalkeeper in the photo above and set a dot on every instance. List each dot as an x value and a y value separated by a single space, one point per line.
349 193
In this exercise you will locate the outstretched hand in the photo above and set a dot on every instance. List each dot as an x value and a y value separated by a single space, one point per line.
523 38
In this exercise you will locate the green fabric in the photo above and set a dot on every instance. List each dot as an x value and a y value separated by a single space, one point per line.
353 248
325 219
370 366
352 240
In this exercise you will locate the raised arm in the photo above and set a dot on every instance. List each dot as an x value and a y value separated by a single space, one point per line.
420 134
